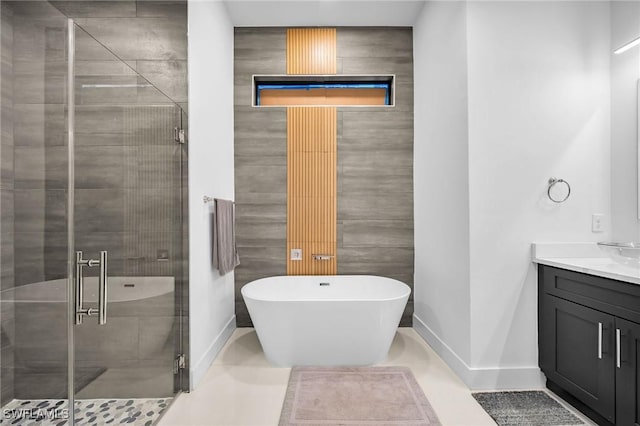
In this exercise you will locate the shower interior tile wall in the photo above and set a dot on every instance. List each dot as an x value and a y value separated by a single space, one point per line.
375 162
149 35
7 278
115 154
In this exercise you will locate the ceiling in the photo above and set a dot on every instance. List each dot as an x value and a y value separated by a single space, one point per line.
246 13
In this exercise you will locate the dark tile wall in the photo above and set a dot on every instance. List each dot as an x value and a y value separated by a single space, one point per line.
121 172
40 154
149 35
39 174
7 277
375 162
260 163
128 174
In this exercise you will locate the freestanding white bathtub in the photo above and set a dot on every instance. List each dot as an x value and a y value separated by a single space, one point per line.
332 320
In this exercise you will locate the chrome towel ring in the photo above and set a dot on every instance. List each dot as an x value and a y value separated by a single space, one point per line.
553 181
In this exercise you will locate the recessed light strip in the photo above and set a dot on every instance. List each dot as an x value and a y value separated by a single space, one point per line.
627 46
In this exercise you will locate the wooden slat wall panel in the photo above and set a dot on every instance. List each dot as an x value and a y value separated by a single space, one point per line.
312 188
311 158
311 51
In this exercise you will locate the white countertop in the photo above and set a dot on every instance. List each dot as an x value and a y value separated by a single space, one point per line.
585 258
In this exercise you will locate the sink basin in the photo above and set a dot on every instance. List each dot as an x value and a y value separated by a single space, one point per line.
624 253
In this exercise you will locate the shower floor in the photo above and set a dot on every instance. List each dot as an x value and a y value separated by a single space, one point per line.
94 412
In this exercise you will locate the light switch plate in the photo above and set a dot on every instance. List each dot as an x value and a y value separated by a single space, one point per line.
296 254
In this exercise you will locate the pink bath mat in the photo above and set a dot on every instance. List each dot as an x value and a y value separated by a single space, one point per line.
364 396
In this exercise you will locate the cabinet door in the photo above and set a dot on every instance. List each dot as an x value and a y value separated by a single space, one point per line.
578 354
628 373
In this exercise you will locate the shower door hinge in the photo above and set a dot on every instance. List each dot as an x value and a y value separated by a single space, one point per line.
179 364
178 135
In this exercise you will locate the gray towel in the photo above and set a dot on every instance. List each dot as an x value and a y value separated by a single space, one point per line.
225 254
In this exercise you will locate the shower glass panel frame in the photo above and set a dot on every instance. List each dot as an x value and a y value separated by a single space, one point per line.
98 166
33 217
126 168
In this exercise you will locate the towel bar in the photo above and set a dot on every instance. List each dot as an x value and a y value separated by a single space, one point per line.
208 199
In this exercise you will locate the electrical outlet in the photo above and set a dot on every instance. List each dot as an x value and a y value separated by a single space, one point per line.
296 254
597 222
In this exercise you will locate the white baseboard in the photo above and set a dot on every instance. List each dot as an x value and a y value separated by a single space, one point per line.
493 378
199 369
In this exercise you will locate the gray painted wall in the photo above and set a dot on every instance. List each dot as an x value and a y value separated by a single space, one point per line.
375 162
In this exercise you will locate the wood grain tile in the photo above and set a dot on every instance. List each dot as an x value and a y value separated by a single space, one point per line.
140 39
374 162
377 233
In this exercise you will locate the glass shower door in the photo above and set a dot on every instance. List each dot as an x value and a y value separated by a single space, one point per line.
128 235
91 211
33 216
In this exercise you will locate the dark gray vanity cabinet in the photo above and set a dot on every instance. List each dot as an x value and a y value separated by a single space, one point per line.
628 375
589 343
569 353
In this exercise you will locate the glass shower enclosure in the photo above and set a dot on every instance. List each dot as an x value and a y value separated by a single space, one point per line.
92 199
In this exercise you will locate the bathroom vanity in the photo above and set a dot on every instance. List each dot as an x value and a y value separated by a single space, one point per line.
589 335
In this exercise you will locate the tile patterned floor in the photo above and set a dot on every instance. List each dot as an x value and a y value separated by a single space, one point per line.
88 412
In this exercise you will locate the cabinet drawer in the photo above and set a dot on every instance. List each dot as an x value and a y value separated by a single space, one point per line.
618 298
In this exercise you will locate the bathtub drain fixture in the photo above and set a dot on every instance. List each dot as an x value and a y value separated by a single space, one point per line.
325 284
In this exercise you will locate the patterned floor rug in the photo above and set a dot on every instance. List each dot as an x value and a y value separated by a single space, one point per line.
365 396
525 408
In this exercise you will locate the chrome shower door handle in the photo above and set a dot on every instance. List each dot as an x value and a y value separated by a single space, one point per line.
79 286
102 289
80 310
